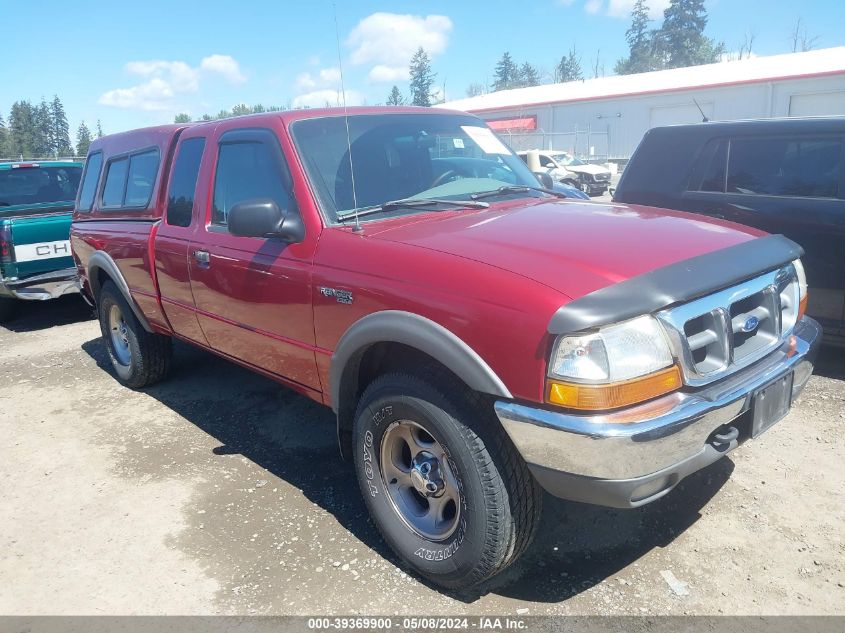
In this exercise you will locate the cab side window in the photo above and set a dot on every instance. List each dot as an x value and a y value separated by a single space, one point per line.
250 166
183 182
807 167
709 171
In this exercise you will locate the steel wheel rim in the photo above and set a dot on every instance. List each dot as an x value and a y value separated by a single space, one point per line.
419 481
119 335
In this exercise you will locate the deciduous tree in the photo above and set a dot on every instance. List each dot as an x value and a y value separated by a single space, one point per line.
182 117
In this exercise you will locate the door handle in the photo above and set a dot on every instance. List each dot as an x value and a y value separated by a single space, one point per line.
202 258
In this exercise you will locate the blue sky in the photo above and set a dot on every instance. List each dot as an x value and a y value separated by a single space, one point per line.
136 64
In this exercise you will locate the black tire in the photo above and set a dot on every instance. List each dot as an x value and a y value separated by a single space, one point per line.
8 309
500 501
148 359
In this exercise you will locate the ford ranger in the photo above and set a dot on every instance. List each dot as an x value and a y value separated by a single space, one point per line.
479 337
36 200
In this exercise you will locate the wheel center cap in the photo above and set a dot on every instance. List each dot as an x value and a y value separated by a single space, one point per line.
426 475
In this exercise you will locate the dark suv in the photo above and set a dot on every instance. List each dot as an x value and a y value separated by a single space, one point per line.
779 175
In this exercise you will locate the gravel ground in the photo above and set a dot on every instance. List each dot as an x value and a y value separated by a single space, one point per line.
220 492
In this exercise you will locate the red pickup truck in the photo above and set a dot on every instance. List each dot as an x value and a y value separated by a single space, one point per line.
479 337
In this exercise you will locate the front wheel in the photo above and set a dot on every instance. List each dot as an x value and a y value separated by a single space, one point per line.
139 358
443 483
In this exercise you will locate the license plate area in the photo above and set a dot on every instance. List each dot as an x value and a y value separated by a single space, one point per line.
771 403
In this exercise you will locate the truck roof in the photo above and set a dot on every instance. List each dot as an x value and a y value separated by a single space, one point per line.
158 135
39 163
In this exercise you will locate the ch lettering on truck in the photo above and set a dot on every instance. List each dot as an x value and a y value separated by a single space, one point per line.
42 250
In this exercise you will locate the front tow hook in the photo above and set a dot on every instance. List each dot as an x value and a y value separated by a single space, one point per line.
723 439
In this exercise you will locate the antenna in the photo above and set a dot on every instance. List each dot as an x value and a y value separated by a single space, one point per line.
357 228
704 118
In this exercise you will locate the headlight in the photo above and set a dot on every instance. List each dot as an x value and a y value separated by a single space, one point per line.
619 365
802 287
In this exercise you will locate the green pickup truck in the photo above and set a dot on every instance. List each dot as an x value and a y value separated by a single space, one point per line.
36 200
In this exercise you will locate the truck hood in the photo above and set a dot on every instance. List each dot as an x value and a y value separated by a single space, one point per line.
570 246
587 169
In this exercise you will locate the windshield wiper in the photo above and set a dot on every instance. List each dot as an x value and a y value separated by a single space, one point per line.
408 203
515 189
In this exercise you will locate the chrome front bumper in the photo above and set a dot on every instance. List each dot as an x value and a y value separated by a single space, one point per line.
630 457
41 287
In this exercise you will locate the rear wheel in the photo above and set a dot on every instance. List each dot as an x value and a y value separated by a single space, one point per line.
443 483
139 358
8 309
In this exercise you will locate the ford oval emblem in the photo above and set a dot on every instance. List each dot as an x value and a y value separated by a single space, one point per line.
750 324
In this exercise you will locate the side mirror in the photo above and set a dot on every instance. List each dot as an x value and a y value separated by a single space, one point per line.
262 217
545 179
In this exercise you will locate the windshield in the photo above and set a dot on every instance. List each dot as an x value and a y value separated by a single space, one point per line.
38 185
400 156
566 159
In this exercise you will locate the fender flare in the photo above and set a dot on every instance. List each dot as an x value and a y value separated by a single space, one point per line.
413 330
101 260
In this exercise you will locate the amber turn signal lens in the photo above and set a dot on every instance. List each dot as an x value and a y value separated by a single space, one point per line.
621 394
802 306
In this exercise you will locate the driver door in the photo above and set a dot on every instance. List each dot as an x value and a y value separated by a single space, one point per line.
253 295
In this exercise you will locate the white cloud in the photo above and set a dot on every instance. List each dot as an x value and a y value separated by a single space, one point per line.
326 78
154 94
330 75
327 97
224 65
304 81
594 6
389 40
622 8
381 72
167 79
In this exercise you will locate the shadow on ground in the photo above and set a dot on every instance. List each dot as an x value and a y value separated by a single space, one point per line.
830 362
294 438
31 316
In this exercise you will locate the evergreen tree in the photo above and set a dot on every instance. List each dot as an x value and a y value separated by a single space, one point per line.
4 139
99 129
422 78
395 97
640 38
21 130
681 41
569 68
182 118
83 139
506 75
42 145
258 108
60 130
528 75
241 109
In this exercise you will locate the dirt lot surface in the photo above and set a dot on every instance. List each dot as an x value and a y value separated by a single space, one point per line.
220 492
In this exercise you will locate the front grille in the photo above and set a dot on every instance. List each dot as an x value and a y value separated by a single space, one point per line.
723 332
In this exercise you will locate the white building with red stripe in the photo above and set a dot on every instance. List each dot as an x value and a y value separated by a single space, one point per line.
605 118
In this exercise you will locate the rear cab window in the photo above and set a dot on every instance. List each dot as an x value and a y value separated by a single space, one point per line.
38 187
